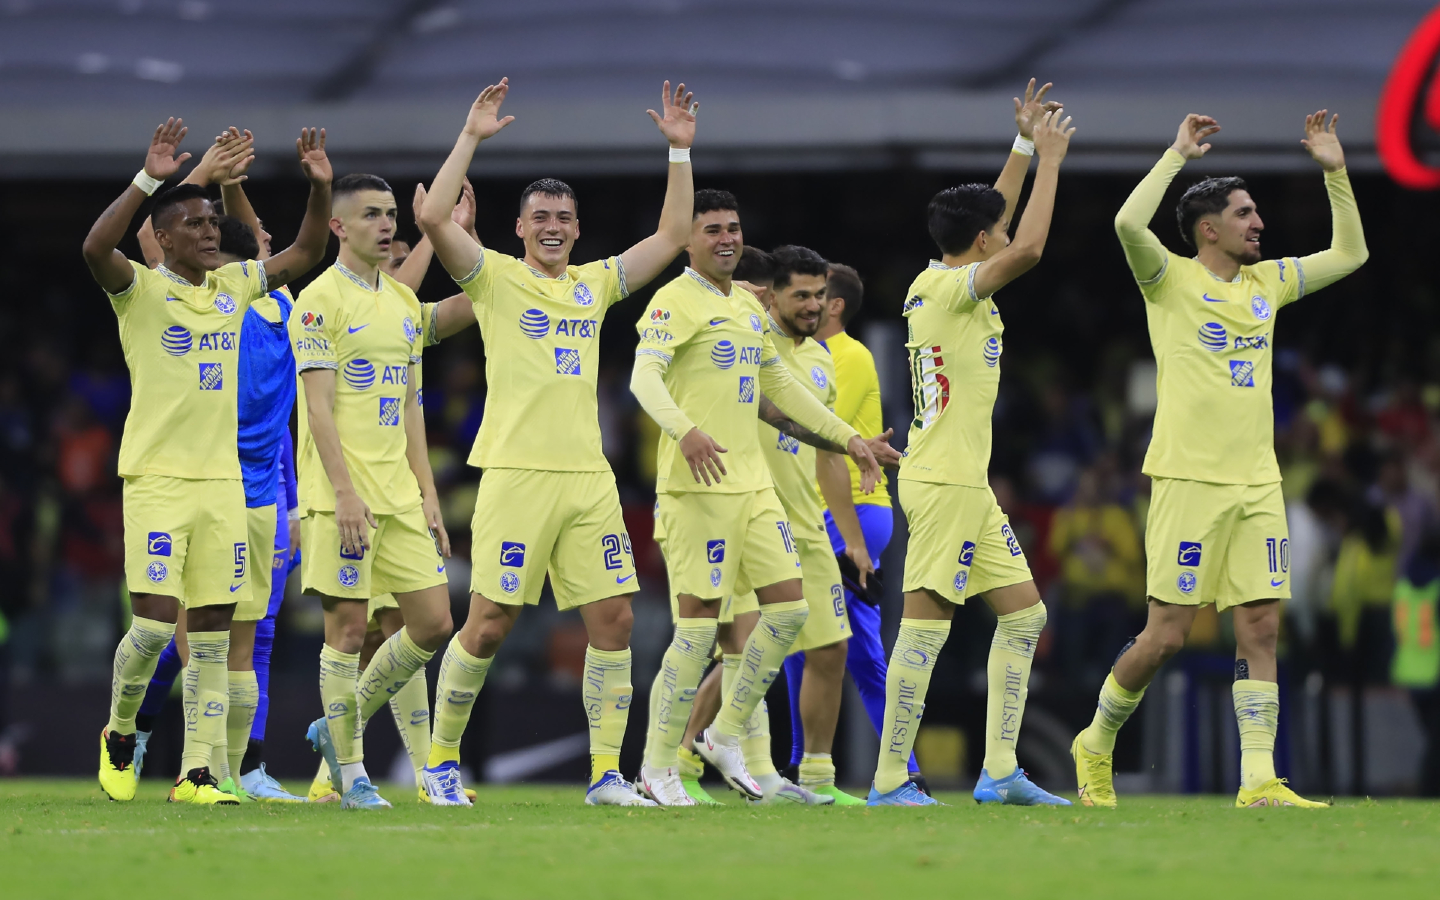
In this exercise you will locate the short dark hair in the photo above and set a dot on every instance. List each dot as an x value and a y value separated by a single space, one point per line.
236 239
712 199
956 215
845 282
792 259
549 187
755 266
1203 198
166 203
356 182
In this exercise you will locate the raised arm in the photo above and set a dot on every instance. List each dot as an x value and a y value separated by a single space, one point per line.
111 270
309 247
649 258
1143 250
412 271
459 252
1052 140
1347 237
453 315
417 454
1027 116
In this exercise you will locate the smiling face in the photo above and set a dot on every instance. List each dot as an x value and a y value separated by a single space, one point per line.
365 223
1235 231
799 307
716 243
190 235
549 226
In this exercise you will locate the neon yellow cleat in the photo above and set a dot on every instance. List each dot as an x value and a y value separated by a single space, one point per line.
1275 792
117 769
322 791
1093 775
229 786
198 787
692 769
841 798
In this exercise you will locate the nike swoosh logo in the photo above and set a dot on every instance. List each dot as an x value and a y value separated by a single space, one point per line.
994 312
353 330
619 580
717 321
1209 299
440 568
236 587
1274 583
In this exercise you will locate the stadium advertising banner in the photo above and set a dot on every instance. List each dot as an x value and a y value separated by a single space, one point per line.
1409 109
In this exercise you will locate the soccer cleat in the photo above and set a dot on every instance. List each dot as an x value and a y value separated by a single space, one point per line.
1014 790
363 795
117 765
664 787
921 784
613 790
322 790
840 797
425 798
260 786
141 739
198 787
725 755
228 786
1093 775
1275 792
319 737
790 792
906 794
692 769
442 785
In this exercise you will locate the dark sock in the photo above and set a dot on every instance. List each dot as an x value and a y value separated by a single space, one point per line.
251 762
145 722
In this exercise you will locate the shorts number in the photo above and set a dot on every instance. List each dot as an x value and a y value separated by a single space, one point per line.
616 544
1279 553
786 536
239 560
837 596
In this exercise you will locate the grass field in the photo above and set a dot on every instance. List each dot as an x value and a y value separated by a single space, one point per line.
62 839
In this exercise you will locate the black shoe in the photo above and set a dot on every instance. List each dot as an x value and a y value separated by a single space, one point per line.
920 784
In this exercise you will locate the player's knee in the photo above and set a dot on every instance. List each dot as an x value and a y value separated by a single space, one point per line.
432 632
1169 641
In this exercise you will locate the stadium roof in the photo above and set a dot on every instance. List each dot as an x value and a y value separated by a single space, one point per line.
783 83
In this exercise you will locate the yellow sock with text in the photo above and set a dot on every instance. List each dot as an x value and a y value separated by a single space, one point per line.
338 673
906 682
461 678
1257 712
606 692
760 663
1012 651
411 709
673 694
395 662
1111 711
244 700
135 658
206 698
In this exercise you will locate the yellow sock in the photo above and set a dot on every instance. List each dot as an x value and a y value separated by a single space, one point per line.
244 699
338 672
395 662
906 682
135 658
1113 709
206 697
817 770
675 685
691 765
461 678
606 692
1012 651
760 663
411 709
755 742
1257 712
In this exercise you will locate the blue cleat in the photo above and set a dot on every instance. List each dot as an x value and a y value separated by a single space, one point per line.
141 739
613 790
259 785
363 795
904 795
319 737
1014 790
442 784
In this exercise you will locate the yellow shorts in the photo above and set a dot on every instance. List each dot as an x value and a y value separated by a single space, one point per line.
829 622
403 557
722 544
961 542
186 538
731 605
529 522
377 605
260 526
1225 544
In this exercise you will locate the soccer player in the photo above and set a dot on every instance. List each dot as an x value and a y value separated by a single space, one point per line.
185 514
960 540
705 355
547 500
1216 531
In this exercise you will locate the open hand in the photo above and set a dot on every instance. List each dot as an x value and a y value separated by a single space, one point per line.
1052 136
1028 114
678 121
354 520
310 146
859 451
235 154
703 454
161 161
484 121
885 454
1322 142
1193 130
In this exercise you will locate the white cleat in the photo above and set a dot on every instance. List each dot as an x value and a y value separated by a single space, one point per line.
442 784
790 792
613 790
723 752
664 787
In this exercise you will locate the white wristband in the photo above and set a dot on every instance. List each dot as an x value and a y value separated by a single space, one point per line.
679 154
147 184
1023 146
294 514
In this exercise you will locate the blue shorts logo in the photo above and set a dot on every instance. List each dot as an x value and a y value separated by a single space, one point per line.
359 374
962 578
389 410
567 361
1242 373
723 354
156 571
534 324
176 341
1189 553
348 576
747 388
346 554
967 552
1212 337
715 577
512 554
1186 582
715 551
509 582
159 543
583 295
1260 308
817 375
1010 540
212 376
225 304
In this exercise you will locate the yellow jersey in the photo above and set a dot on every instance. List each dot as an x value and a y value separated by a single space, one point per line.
792 464
1212 342
955 339
542 358
370 338
857 401
182 346
715 344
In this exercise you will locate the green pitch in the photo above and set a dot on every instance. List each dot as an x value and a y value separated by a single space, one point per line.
62 839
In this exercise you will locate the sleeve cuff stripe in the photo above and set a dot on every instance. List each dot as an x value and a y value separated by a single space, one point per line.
645 351
479 264
1158 275
316 364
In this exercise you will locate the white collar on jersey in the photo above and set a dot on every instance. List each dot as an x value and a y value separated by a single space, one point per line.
539 274
356 278
709 285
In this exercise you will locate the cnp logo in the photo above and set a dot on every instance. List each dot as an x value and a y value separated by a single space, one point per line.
1410 103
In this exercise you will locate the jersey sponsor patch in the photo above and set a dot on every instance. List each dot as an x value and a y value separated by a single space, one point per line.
312 321
747 389
346 554
715 551
212 376
582 294
158 543
967 553
567 361
655 336
176 340
1242 373
389 410
226 304
534 324
1259 342
1186 582
1212 337
658 315
817 375
1189 554
787 444
992 350
1259 307
723 354
348 576
359 374
512 554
